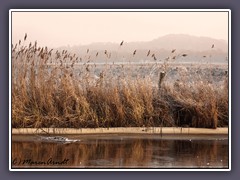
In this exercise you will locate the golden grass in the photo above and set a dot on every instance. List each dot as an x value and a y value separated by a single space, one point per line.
50 90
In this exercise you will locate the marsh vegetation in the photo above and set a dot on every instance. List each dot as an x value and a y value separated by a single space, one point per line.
52 88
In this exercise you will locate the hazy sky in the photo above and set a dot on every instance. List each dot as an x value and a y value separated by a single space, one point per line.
56 29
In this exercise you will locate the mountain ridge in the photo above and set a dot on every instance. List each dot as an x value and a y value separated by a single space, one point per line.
167 42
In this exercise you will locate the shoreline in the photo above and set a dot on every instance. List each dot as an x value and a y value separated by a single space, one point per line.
122 130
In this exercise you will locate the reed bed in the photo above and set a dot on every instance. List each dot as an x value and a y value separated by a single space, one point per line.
51 89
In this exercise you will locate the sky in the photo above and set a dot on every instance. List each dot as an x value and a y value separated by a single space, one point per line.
55 29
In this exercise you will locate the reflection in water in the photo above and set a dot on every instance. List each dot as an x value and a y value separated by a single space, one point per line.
108 152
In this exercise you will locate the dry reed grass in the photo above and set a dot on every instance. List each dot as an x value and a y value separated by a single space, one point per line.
47 92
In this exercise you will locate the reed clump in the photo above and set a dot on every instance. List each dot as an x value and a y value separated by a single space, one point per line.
50 88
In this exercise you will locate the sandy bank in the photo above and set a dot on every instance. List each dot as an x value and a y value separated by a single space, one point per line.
122 130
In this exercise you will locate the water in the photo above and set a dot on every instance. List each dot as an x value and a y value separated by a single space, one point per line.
121 151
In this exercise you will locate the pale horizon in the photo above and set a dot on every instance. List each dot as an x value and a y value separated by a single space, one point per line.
56 29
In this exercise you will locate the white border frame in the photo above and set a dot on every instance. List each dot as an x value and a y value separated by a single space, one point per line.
119 10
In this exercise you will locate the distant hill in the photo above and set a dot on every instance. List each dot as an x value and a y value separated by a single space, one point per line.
195 47
168 42
187 42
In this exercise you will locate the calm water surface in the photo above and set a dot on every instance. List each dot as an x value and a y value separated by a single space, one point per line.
121 151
